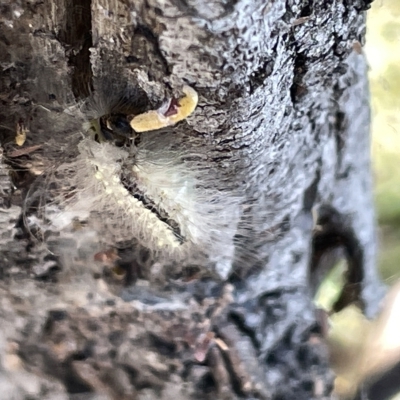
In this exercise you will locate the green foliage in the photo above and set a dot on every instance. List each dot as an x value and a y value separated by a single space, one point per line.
383 53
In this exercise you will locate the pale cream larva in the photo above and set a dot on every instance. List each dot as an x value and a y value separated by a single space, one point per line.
156 119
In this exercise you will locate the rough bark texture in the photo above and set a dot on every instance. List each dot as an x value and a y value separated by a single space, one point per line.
283 120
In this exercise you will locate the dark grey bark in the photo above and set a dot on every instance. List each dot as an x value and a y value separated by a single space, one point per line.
281 129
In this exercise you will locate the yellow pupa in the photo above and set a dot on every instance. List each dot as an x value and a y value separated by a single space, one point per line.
155 119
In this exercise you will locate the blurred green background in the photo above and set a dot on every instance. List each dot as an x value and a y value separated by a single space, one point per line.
383 54
356 343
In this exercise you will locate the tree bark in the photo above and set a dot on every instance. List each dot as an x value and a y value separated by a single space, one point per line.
281 131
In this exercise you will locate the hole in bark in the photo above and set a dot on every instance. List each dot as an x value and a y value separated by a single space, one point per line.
77 39
333 240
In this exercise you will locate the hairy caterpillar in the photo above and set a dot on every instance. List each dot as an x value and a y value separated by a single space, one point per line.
154 186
